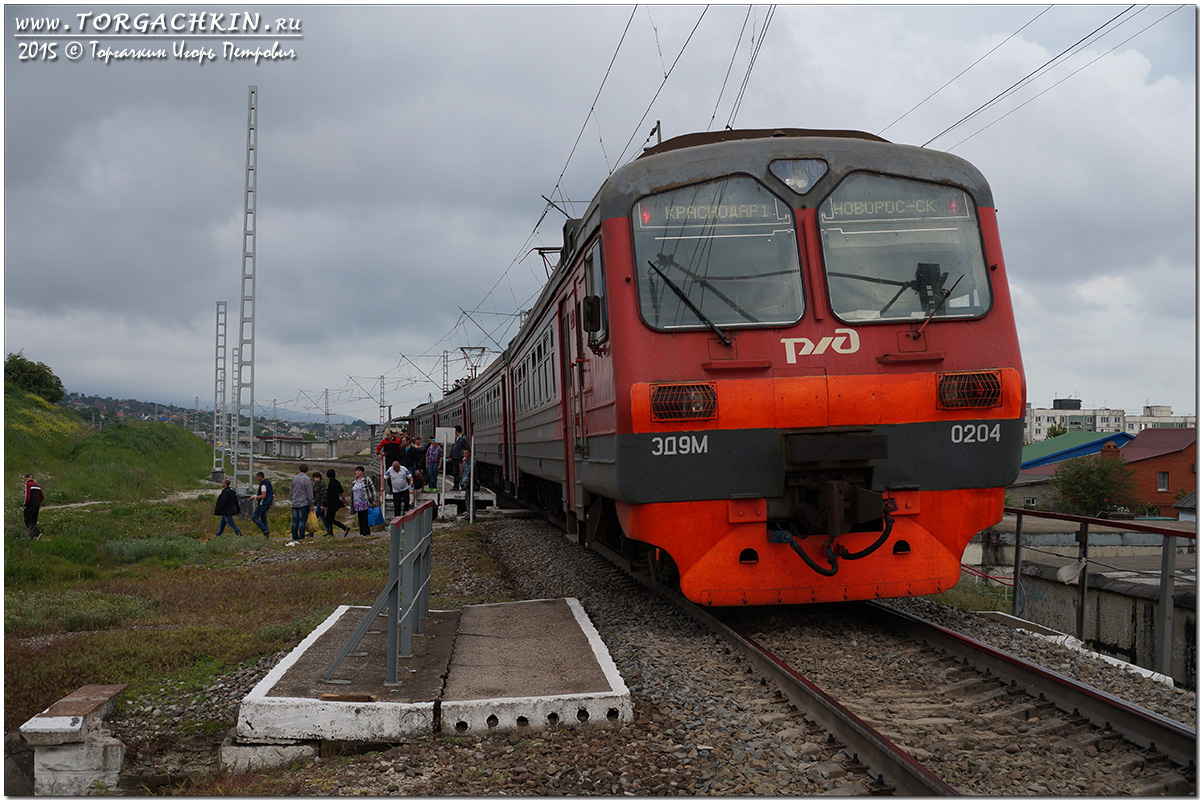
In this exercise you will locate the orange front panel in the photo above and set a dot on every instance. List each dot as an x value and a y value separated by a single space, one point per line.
827 401
724 562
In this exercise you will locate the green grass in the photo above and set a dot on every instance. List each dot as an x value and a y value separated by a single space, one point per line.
90 542
155 623
134 461
71 610
971 594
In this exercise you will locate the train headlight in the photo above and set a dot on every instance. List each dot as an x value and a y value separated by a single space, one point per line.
969 389
672 401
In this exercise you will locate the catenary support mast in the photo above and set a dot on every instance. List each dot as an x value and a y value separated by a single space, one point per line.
219 435
243 469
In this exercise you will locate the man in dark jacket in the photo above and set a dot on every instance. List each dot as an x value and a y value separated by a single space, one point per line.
456 455
389 449
333 501
265 497
33 503
227 508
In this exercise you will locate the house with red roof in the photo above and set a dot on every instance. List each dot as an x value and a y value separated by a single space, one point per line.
1164 463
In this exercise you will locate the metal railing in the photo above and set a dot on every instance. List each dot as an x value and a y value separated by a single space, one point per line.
406 596
1166 584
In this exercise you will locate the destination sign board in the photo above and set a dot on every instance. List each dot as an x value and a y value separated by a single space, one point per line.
939 205
652 215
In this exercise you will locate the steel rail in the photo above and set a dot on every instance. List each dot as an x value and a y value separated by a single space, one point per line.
1139 725
889 762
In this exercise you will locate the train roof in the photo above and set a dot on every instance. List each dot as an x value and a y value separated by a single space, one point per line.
695 158
712 137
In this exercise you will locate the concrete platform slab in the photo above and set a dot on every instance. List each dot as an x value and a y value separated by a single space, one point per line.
491 667
533 664
294 702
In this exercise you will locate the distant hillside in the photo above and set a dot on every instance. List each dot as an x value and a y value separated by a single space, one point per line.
95 407
74 462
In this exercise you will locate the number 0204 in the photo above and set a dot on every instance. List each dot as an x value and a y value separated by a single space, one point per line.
973 434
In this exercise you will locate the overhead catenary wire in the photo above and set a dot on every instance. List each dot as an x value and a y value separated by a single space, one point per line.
737 104
592 108
729 71
1029 77
558 185
642 121
965 71
1056 83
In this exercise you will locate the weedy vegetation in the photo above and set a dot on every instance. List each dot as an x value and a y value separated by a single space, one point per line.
973 594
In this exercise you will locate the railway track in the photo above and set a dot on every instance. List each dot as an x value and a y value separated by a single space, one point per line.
927 711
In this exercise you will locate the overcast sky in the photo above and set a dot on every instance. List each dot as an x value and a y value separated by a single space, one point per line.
404 151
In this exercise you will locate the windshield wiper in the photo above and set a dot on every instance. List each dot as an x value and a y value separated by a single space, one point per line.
945 296
928 283
687 302
668 261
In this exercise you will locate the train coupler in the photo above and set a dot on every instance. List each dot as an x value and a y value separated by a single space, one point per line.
835 550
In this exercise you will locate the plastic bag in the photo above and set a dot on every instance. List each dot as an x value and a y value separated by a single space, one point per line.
375 516
313 525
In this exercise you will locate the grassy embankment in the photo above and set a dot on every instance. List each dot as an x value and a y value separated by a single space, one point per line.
137 589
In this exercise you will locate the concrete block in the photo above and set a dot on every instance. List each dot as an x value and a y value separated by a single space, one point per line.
79 768
267 719
241 757
73 718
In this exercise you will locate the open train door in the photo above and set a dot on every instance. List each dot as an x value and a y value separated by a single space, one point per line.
571 371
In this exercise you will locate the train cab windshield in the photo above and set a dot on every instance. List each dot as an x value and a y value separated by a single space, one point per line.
714 254
902 249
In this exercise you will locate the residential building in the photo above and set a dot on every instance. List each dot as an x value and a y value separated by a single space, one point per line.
1164 463
1070 414
1187 507
1156 417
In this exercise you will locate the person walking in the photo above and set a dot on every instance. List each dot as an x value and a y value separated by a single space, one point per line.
333 502
32 505
433 462
302 500
418 466
319 492
408 455
227 508
456 455
389 448
263 500
465 468
399 481
362 499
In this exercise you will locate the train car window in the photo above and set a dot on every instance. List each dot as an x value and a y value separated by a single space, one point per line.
721 253
902 249
593 271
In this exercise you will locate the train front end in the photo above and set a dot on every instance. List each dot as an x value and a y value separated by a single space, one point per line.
826 395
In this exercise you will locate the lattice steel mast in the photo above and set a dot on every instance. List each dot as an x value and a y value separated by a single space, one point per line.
219 418
245 368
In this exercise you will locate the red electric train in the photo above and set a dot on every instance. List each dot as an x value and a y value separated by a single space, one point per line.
778 366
